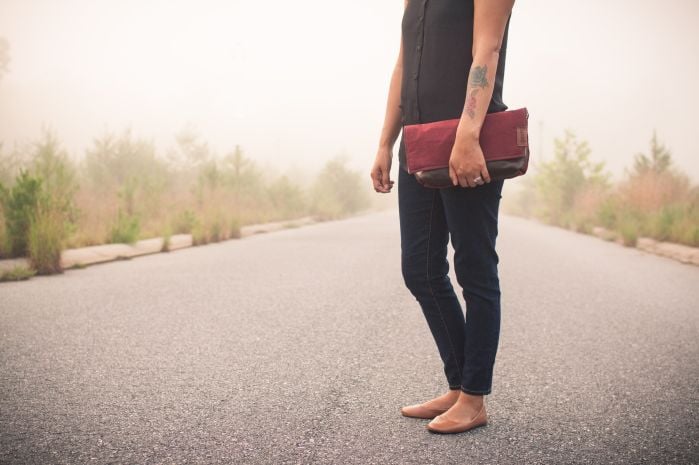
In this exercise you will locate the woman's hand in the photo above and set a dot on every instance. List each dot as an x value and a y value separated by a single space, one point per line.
490 17
467 163
381 171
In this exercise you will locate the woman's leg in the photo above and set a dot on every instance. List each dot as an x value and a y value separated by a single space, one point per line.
424 239
472 218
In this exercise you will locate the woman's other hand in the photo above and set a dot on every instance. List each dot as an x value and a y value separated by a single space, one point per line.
467 163
381 171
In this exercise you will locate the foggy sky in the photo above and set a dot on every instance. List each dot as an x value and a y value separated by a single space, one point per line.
295 83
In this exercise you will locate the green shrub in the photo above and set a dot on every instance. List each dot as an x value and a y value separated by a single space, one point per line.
125 229
629 227
39 211
127 226
608 212
685 225
20 204
660 224
4 240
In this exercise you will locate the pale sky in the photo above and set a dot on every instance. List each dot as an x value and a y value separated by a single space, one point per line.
295 83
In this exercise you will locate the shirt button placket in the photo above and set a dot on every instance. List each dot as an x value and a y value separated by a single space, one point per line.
418 50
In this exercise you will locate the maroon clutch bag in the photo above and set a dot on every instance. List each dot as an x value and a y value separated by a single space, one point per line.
503 139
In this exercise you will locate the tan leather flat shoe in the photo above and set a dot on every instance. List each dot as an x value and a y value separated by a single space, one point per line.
445 425
420 411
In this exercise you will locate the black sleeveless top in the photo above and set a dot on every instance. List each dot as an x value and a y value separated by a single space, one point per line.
437 57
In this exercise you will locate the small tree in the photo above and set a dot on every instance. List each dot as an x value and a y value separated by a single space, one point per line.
338 191
12 160
656 200
190 151
658 161
58 174
560 181
112 160
653 182
242 174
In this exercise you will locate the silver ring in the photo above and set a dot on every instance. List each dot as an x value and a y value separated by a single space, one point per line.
478 179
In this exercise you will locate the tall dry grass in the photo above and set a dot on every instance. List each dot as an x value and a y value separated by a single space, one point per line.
46 240
123 190
664 206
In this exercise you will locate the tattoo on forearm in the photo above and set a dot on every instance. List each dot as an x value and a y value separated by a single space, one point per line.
478 76
477 79
471 103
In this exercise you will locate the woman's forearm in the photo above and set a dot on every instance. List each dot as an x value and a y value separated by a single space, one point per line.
392 119
490 19
479 91
381 171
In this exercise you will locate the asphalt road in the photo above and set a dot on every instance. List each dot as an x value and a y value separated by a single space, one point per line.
301 346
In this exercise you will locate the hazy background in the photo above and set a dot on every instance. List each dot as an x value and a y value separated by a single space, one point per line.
295 83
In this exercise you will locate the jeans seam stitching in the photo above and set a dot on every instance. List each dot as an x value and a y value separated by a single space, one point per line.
429 286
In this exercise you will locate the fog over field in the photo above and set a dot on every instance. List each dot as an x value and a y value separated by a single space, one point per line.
295 83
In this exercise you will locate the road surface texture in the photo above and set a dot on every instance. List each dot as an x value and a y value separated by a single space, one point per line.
300 347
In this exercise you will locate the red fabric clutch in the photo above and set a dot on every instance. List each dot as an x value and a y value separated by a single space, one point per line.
503 139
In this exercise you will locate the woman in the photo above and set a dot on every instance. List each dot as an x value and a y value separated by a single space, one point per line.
450 65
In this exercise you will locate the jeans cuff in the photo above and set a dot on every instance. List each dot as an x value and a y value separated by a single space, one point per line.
475 392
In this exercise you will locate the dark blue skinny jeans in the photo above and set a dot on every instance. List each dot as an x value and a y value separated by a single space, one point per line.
467 341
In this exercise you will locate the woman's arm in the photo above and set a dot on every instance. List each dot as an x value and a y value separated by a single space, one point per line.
380 173
467 161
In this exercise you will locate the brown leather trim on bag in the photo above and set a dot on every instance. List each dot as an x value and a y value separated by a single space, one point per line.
497 169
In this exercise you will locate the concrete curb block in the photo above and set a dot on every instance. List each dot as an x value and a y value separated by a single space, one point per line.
253 229
606 234
91 255
9 264
680 252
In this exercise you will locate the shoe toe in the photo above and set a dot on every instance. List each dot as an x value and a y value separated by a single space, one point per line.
412 410
420 411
